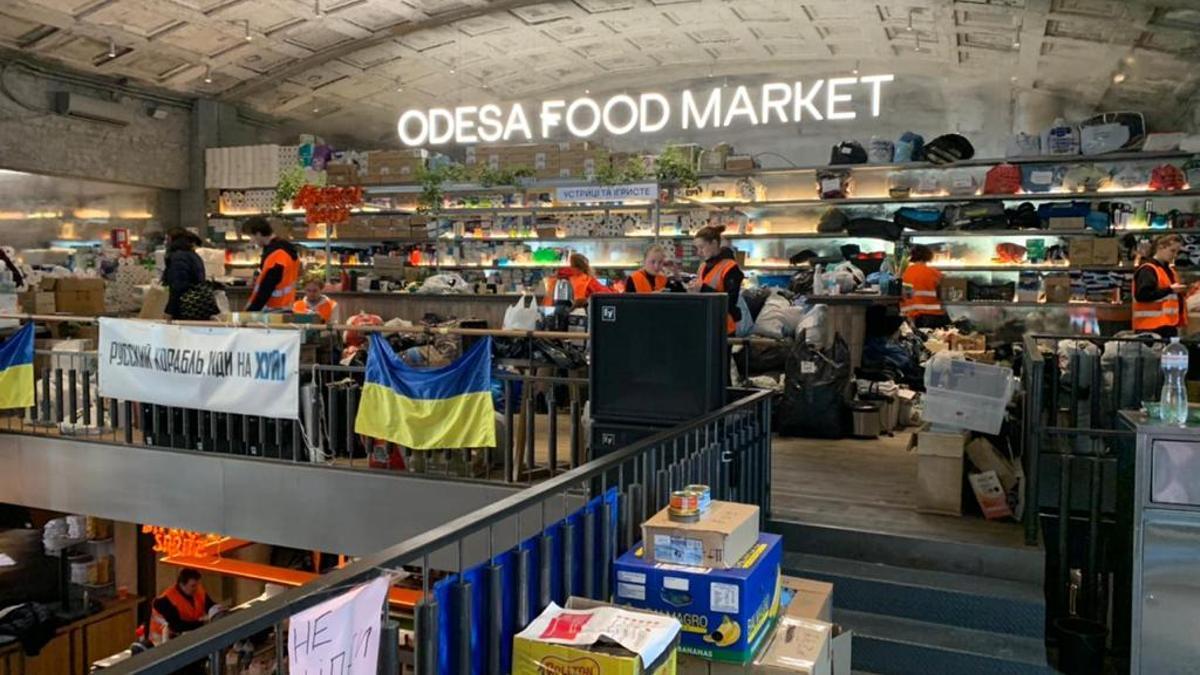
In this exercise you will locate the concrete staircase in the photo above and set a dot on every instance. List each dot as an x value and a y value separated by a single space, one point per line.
927 607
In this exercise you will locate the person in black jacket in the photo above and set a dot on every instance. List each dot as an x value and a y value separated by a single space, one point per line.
184 269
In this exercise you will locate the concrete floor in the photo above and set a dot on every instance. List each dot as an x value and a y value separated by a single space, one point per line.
867 485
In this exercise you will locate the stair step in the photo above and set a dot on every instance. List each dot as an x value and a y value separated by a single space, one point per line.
890 645
998 605
1014 563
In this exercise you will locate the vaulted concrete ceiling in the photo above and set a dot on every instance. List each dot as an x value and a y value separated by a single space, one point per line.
350 66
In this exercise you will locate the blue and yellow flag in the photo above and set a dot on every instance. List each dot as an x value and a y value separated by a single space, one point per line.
16 369
428 408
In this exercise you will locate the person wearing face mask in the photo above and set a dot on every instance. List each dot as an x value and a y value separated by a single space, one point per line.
649 279
1158 302
719 273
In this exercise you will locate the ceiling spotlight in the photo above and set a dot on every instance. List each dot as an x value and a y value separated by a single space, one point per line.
317 8
909 27
316 110
917 47
249 37
587 91
112 49
854 71
451 70
1118 78
1130 60
208 74
399 86
1016 44
1013 78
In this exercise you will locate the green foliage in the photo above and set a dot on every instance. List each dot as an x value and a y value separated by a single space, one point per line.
674 170
632 171
290 182
433 179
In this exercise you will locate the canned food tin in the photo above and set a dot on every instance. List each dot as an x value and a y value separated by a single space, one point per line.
685 506
703 496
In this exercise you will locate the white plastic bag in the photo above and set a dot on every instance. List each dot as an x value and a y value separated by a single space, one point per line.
523 315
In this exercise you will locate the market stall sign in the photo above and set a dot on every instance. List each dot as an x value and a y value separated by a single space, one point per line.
607 193
233 370
719 107
173 541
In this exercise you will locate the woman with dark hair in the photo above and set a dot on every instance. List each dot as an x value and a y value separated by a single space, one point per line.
719 273
184 269
920 303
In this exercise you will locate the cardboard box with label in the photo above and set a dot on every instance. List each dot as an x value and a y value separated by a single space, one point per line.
79 296
717 540
594 638
1057 288
806 599
940 471
36 302
1105 251
726 614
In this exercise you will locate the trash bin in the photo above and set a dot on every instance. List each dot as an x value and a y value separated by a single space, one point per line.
867 420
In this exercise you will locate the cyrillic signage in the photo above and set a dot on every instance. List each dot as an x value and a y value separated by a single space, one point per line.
607 193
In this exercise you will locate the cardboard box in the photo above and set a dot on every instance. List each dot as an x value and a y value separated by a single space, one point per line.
806 599
726 614
36 302
79 296
798 646
953 289
718 540
1105 251
1068 223
985 457
1057 288
840 654
534 655
975 342
940 471
1081 251
739 163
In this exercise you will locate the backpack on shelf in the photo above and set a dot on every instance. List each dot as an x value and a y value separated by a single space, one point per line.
949 148
833 184
880 151
921 219
910 148
1002 179
848 152
833 220
1167 178
1061 139
1025 217
975 216
1104 135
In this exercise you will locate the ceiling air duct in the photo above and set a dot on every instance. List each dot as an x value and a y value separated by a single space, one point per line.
93 109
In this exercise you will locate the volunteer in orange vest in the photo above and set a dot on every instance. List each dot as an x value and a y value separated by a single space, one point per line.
719 273
921 304
182 607
649 279
279 272
315 301
583 283
1158 303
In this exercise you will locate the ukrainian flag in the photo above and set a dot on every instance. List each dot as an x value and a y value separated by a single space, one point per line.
16 369
428 408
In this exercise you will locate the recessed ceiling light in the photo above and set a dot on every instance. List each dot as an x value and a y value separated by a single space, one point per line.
249 37
316 110
1013 78
1130 60
854 70
586 92
1016 44
1118 78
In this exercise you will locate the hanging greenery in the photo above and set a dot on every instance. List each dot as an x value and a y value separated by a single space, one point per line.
674 170
290 182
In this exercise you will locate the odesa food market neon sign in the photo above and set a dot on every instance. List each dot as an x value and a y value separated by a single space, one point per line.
647 113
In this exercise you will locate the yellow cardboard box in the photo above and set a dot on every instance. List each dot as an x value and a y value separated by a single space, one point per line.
535 654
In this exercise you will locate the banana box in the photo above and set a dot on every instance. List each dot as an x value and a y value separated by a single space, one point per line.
727 614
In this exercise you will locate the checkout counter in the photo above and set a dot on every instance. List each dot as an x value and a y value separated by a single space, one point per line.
1166 545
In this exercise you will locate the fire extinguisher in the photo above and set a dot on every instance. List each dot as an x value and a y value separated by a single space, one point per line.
386 455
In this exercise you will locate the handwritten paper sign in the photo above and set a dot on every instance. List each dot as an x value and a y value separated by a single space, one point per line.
339 636
232 370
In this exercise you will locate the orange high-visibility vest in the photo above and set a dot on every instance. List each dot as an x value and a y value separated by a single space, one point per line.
324 308
189 610
714 278
924 301
644 283
284 295
579 288
1167 312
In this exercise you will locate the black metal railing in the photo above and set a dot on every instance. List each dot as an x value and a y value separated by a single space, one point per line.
1079 465
569 527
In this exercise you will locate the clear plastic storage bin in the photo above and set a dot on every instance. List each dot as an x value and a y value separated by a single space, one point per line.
966 395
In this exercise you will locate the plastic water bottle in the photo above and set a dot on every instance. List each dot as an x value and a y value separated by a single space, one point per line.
1173 402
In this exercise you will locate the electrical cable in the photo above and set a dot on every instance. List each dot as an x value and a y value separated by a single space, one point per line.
789 162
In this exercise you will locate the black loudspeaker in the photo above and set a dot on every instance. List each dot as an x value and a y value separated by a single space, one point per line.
608 437
657 359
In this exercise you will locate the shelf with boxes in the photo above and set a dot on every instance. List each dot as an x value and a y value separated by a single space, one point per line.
946 199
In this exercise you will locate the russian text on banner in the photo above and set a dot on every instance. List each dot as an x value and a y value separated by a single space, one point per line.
339 635
244 371
428 408
16 369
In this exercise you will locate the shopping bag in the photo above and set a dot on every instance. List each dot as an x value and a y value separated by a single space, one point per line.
523 315
154 303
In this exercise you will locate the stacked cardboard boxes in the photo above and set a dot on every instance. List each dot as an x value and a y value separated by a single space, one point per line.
574 159
394 166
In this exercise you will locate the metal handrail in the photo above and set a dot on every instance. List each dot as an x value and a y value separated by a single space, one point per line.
194 646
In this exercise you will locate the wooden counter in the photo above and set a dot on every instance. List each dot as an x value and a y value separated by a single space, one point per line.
410 306
77 644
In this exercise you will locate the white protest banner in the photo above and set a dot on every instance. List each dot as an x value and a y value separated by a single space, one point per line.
607 193
233 370
339 636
